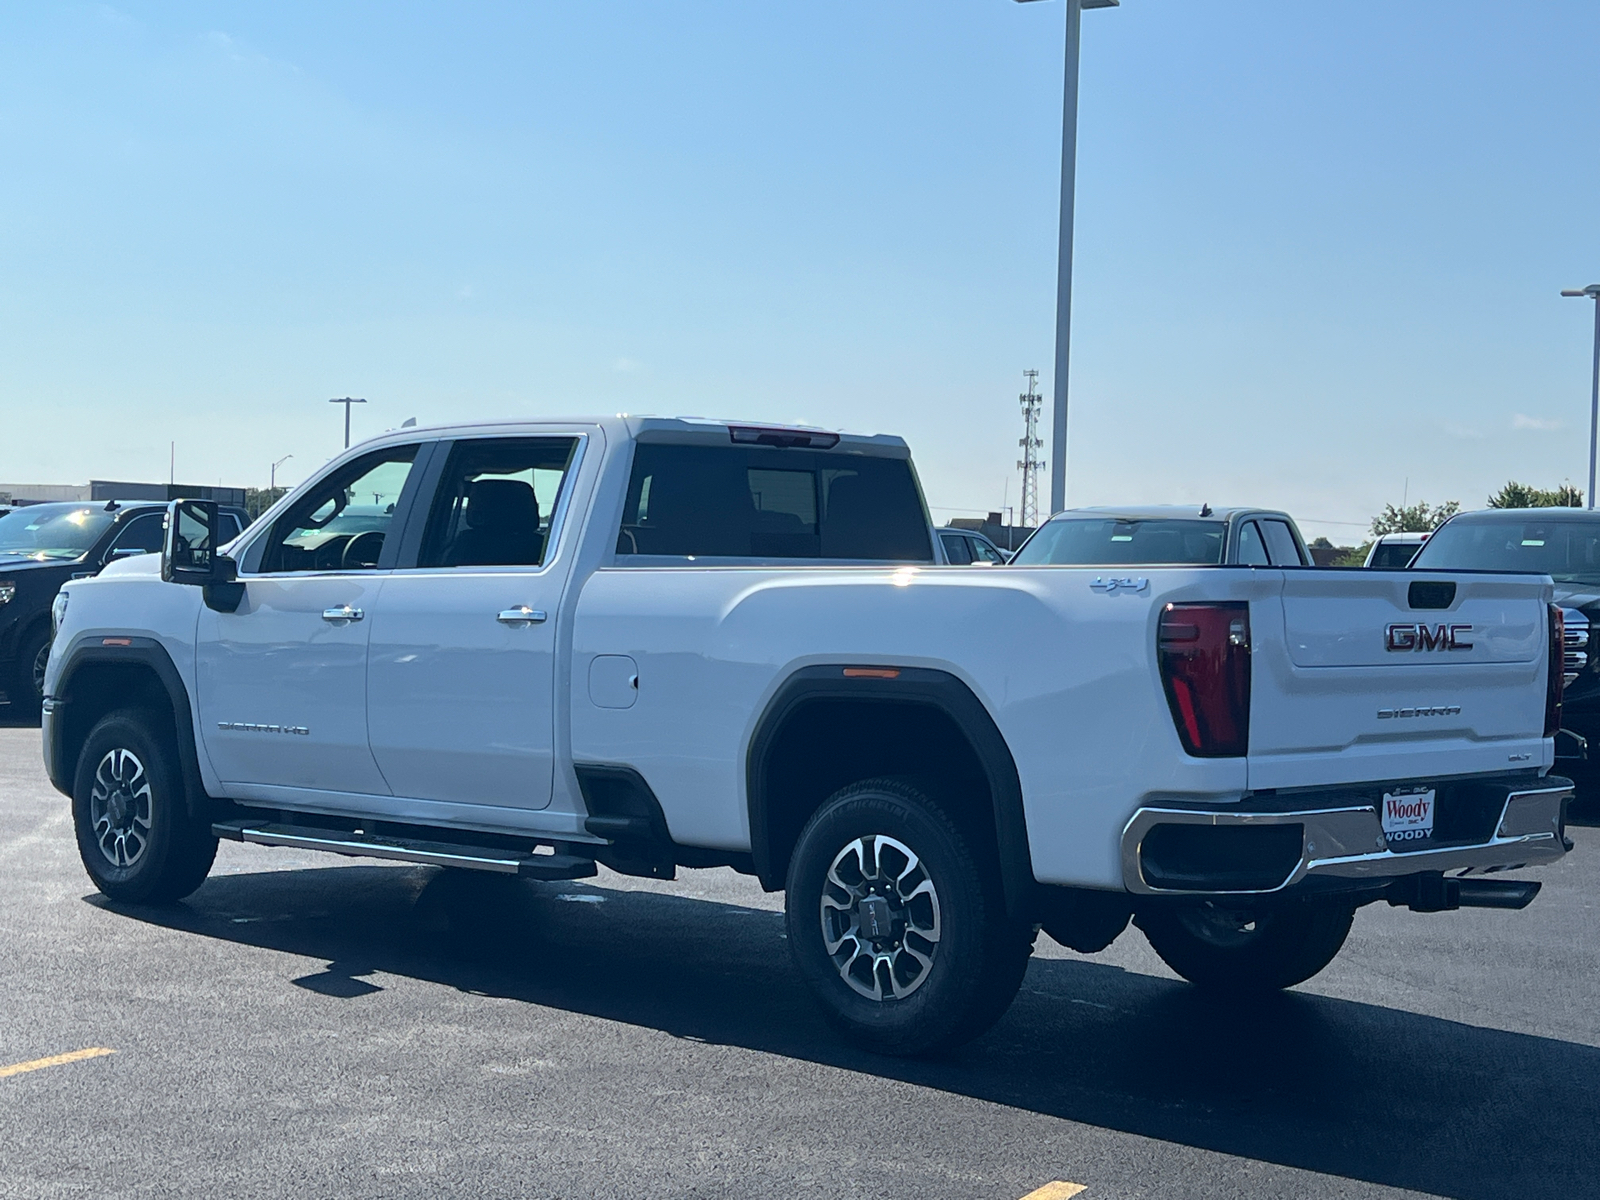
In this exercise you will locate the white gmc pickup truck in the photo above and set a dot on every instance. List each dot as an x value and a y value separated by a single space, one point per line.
652 643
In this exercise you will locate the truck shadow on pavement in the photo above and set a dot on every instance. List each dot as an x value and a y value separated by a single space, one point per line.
1348 1089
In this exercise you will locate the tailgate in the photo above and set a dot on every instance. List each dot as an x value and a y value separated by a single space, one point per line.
1387 675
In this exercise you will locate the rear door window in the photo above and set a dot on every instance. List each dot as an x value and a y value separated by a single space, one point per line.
494 502
1252 550
1281 546
699 501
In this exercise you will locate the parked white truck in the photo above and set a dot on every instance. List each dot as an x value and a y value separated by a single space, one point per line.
654 643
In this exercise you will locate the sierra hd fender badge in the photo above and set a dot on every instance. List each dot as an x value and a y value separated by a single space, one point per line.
1115 584
251 727
1420 636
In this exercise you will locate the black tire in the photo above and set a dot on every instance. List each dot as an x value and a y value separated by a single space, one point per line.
136 837
1238 950
27 689
951 988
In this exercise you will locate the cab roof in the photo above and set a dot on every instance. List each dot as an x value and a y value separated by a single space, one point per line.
717 431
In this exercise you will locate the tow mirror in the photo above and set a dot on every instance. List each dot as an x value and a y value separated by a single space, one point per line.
189 553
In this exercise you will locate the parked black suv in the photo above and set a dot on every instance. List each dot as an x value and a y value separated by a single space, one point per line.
1563 543
44 545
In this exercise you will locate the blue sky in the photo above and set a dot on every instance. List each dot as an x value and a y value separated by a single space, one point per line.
1319 247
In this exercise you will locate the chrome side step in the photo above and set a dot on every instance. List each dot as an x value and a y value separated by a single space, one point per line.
439 854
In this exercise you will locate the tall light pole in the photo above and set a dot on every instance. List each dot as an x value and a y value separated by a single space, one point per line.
347 401
1593 293
1069 172
272 475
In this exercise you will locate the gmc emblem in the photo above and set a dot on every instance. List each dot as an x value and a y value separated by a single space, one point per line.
1422 637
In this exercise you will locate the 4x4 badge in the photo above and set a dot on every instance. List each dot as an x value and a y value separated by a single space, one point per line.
1114 584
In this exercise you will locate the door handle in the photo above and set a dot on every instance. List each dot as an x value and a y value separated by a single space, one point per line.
522 616
342 615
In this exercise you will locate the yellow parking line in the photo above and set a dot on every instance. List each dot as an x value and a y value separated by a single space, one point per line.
55 1060
1056 1189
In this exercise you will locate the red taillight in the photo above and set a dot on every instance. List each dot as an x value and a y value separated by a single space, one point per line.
1556 680
1205 665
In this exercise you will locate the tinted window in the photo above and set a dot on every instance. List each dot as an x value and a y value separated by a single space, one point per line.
1252 550
982 551
957 549
734 502
45 531
1281 546
1091 541
1393 555
143 534
343 521
1564 550
494 502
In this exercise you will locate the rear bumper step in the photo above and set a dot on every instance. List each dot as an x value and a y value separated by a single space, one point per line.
440 854
1432 892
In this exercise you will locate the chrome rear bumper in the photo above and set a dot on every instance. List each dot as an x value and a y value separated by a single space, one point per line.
1347 841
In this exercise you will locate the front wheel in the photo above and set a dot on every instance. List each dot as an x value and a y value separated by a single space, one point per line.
895 924
27 691
136 836
1238 949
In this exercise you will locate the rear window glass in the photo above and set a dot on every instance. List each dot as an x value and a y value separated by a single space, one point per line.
1394 555
1568 551
1109 541
769 502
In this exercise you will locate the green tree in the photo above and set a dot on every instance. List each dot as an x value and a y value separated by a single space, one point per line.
1420 517
1355 556
258 500
1521 495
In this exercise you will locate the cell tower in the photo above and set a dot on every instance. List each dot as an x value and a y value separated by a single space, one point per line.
1031 465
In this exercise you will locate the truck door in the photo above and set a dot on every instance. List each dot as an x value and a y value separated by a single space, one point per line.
283 680
463 651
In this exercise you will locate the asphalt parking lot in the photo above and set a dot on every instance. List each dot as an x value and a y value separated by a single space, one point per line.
314 1026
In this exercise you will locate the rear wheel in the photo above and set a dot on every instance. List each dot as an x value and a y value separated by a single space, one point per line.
1239 949
895 925
136 836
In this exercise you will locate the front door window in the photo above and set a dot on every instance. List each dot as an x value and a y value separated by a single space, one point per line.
342 524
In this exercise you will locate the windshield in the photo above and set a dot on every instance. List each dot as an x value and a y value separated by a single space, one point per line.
1110 541
1564 549
52 531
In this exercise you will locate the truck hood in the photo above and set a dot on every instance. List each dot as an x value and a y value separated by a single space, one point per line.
13 563
1577 595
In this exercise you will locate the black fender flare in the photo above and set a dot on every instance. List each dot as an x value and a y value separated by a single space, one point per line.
916 685
121 650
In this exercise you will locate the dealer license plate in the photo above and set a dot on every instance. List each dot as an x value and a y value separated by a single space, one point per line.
1407 816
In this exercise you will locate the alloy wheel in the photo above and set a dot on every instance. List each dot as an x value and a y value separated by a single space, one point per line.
880 917
120 808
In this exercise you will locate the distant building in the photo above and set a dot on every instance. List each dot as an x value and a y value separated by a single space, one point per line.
111 489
